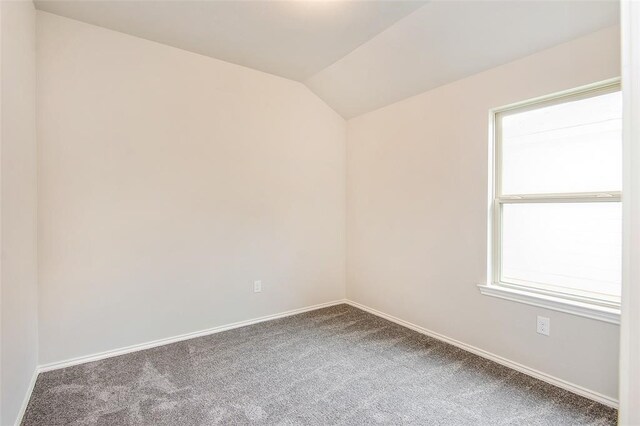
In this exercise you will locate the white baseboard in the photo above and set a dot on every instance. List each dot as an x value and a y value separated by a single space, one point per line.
27 396
142 346
595 396
181 337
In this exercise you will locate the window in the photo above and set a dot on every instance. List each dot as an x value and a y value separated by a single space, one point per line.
556 210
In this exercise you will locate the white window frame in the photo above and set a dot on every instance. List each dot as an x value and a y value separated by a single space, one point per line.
605 309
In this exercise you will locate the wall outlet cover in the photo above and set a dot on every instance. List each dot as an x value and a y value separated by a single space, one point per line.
543 325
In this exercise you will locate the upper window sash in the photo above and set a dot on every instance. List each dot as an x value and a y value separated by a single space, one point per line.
497 115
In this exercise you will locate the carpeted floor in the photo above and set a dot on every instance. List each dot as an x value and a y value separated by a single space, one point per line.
337 365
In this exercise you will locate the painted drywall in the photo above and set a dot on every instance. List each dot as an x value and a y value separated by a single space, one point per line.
630 321
169 182
417 215
18 194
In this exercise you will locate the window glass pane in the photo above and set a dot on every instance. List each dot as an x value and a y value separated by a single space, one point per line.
574 146
569 247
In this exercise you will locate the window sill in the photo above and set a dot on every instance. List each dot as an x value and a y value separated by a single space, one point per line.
601 313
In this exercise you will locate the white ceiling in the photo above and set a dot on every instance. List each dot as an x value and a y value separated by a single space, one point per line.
445 41
356 55
290 38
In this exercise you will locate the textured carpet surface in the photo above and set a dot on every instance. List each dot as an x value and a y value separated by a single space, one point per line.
337 365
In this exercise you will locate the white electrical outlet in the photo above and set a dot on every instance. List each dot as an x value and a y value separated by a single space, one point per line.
544 325
257 286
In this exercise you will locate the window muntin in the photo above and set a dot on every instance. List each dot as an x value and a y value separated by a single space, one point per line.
557 213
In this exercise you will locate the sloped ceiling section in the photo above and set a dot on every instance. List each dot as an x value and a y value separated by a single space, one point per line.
290 38
356 55
446 41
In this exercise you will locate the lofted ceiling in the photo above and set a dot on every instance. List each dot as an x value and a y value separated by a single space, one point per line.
290 38
356 55
448 40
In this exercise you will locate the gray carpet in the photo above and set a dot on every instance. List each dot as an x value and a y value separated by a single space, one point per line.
333 366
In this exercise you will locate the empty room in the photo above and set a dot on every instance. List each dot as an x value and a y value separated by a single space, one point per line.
319 212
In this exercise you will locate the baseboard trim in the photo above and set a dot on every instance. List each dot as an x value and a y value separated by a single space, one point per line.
579 390
27 396
186 336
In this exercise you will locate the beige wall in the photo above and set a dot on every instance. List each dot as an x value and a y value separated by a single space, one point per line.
630 321
18 265
417 197
169 181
